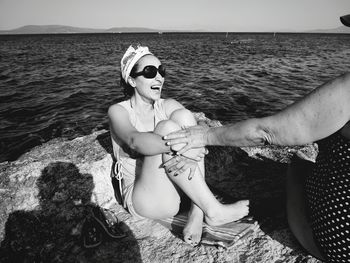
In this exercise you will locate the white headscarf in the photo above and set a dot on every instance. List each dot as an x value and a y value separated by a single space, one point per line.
130 58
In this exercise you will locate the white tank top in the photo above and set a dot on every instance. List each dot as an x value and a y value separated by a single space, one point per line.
129 163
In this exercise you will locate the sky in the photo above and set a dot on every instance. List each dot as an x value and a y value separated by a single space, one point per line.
210 15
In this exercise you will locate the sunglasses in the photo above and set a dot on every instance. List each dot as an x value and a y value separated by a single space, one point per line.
150 72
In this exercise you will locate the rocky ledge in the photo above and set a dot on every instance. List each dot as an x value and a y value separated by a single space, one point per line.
47 192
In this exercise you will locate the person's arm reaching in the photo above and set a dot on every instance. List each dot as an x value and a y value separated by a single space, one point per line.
317 115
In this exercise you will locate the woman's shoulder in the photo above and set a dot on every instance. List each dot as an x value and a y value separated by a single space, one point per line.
171 102
118 108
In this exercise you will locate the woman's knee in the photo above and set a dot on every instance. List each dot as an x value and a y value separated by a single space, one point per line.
178 119
165 127
183 117
169 209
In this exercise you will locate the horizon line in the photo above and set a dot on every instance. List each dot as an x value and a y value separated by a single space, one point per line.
153 30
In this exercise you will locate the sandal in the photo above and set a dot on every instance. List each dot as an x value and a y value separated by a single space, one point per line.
92 237
108 222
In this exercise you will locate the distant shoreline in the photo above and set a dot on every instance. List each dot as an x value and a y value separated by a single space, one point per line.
59 29
179 32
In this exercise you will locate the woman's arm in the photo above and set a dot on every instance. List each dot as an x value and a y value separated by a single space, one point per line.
145 143
319 114
171 106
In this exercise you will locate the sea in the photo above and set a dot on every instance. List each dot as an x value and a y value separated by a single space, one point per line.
62 85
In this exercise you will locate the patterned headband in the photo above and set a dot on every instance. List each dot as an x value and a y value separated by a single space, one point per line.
130 58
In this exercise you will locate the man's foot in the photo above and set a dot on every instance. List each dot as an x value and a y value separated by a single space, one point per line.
228 213
192 231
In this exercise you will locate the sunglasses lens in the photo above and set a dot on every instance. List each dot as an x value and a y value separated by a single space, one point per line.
150 72
161 70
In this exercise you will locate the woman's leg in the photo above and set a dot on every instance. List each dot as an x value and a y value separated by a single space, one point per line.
197 190
297 207
154 195
192 231
215 212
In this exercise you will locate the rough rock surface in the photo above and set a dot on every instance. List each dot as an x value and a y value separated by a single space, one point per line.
46 194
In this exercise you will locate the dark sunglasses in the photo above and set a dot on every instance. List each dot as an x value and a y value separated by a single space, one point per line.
150 72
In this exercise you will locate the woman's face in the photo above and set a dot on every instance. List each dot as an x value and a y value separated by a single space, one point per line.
149 88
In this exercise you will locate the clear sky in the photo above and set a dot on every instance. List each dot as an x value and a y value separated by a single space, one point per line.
212 15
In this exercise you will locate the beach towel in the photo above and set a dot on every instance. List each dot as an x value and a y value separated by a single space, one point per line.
223 236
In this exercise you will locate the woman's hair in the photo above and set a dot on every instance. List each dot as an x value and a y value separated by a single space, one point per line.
128 90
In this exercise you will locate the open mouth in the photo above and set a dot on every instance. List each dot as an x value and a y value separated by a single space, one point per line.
155 87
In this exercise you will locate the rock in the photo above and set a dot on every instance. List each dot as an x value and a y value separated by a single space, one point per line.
47 192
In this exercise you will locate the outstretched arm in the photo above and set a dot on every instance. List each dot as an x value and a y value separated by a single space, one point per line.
319 114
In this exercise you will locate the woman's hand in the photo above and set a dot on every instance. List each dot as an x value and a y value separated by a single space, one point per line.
193 137
196 154
180 164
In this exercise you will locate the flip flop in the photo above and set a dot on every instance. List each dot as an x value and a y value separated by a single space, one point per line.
108 222
92 236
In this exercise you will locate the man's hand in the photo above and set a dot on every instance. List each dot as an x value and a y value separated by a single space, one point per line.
193 137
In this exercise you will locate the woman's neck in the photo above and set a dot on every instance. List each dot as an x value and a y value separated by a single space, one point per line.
140 104
144 111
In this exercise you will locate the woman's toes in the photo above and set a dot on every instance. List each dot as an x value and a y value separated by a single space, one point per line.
193 241
188 239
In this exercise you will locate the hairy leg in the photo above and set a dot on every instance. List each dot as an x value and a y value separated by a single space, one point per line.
297 207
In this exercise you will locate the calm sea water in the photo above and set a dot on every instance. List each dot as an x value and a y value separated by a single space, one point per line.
62 85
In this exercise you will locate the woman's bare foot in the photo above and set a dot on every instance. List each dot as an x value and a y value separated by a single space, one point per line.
228 213
192 231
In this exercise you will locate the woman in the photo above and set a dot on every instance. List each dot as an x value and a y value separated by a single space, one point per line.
137 126
323 115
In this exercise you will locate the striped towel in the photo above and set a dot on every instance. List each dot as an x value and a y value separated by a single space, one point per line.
223 236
